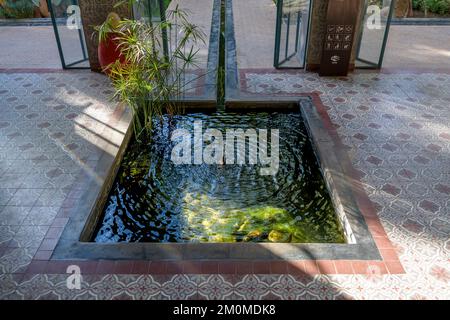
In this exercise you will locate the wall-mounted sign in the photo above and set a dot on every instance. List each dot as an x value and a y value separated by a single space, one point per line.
338 42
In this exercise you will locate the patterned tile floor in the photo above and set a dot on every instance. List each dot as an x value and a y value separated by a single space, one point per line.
396 126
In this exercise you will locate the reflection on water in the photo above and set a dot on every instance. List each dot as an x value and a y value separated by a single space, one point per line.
154 200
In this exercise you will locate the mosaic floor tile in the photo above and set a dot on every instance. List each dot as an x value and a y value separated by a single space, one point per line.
397 129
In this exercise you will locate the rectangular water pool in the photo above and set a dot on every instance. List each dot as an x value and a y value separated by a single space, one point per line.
272 192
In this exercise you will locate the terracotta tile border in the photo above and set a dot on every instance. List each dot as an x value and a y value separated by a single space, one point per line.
121 267
140 267
390 264
343 267
326 266
157 267
293 267
227 268
106 267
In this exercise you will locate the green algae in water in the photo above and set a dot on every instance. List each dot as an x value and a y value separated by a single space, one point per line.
154 200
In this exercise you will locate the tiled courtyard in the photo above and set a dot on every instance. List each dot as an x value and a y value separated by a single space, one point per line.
396 128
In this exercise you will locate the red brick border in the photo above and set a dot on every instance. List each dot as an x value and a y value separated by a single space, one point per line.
293 267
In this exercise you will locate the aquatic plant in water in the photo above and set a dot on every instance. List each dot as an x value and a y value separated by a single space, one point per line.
153 81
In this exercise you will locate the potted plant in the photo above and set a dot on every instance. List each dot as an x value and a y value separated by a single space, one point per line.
108 45
144 77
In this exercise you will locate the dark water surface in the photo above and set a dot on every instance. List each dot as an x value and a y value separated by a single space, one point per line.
154 200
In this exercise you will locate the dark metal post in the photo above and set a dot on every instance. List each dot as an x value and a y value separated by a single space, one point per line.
55 29
162 12
278 33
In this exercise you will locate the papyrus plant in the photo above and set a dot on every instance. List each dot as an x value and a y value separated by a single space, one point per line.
151 81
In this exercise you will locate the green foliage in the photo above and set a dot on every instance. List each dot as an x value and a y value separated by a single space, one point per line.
434 6
17 9
150 82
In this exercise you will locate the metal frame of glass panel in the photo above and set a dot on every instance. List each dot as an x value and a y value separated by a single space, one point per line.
71 65
279 21
373 65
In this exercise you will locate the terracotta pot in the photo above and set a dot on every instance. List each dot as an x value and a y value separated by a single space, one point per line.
109 52
44 9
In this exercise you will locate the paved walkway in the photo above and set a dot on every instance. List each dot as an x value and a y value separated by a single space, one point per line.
54 125
35 47
419 47
254 31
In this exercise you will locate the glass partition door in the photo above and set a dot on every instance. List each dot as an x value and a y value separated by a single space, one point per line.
66 20
291 35
376 19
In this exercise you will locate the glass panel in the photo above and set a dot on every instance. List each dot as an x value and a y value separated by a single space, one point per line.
291 33
69 33
149 10
374 30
